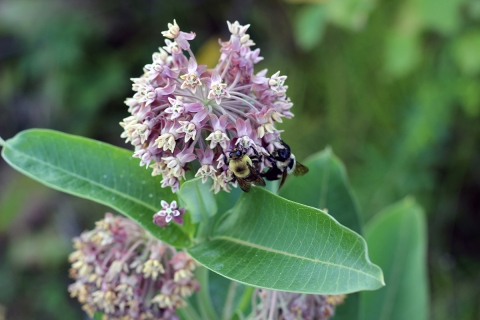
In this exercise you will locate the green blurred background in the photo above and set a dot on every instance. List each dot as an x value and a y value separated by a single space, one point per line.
392 86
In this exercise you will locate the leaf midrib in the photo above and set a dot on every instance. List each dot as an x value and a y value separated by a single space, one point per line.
126 196
249 244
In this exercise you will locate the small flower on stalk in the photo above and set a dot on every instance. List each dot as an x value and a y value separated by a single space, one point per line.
293 306
182 112
123 272
217 88
168 213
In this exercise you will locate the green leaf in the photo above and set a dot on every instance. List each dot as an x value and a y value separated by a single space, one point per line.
273 243
325 186
226 200
396 239
198 199
97 171
310 25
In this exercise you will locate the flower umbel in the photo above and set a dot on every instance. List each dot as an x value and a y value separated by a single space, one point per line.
123 272
293 306
182 112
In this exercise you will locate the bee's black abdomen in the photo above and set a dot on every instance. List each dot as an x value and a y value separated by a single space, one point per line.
272 174
283 155
291 163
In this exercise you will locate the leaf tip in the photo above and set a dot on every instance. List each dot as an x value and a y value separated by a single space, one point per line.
382 280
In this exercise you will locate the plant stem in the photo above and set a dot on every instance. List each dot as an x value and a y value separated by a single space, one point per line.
203 296
188 312
272 305
245 300
203 231
227 310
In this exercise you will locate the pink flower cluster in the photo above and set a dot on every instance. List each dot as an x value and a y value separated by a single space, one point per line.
182 112
123 272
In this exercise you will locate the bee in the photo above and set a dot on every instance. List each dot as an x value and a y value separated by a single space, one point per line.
243 169
284 163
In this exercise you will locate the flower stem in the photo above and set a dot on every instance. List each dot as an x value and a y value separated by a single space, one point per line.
189 312
272 305
246 299
203 231
227 310
203 297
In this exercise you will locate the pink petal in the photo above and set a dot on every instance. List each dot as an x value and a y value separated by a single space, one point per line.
192 65
216 77
193 107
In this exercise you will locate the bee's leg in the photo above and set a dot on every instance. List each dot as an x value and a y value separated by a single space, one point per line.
225 159
271 159
256 157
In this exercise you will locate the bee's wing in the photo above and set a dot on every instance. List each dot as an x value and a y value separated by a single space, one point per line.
244 184
300 169
258 181
255 177
284 176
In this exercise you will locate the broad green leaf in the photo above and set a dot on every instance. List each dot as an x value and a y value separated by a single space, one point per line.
97 171
198 199
273 243
396 240
325 186
226 200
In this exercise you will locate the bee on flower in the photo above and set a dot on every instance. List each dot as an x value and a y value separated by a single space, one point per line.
183 112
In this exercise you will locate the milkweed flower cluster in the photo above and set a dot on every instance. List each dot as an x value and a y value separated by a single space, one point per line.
182 112
123 272
293 306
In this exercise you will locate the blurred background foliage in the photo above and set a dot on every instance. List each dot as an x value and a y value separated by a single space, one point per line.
392 86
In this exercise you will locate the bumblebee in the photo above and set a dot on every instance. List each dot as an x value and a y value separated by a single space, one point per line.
283 164
243 169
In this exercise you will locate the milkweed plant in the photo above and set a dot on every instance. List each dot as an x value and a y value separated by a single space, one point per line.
200 238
